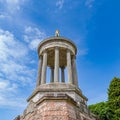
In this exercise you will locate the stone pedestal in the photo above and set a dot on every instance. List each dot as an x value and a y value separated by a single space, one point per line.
55 107
57 101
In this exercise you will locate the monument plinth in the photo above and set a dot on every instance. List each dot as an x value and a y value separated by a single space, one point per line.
58 97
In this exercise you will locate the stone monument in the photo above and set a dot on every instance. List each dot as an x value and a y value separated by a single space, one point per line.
59 97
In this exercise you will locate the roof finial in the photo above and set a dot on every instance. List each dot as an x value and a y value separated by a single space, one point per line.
57 33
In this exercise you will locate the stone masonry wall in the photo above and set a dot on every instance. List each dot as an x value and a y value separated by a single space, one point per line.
55 110
52 110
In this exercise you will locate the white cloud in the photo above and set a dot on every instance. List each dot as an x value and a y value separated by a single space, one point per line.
3 85
12 6
9 46
13 57
33 36
34 43
12 102
15 70
13 1
2 16
60 4
7 86
89 3
7 95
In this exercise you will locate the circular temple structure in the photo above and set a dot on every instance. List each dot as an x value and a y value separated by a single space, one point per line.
58 98
57 53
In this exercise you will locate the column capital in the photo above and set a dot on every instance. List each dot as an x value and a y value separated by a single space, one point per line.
68 50
45 51
56 47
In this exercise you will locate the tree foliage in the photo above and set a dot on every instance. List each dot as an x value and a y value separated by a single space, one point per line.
114 97
102 110
114 89
109 110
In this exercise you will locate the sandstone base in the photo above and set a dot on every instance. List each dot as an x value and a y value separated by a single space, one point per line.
59 107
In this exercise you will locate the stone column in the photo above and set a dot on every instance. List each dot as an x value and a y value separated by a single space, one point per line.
52 74
44 68
62 74
75 78
69 67
39 71
56 67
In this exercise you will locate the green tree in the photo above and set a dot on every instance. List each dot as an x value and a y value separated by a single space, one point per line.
109 110
102 110
114 97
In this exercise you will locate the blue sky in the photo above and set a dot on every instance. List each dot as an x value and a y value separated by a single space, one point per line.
93 25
